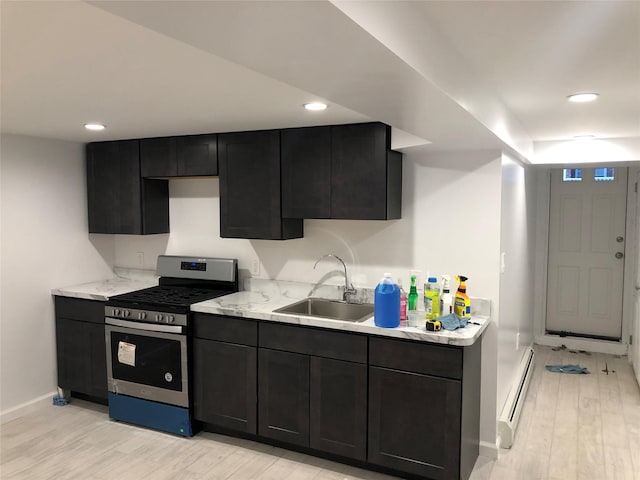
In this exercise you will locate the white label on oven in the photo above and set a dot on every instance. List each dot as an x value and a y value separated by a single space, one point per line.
127 353
168 377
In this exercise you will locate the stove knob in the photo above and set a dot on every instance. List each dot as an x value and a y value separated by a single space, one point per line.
170 318
116 312
158 317
142 316
126 313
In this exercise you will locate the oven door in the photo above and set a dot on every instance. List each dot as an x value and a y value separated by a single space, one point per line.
147 361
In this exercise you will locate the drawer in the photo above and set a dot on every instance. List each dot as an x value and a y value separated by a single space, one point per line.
418 357
312 341
226 329
80 309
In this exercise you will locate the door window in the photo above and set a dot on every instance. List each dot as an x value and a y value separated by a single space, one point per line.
604 174
572 175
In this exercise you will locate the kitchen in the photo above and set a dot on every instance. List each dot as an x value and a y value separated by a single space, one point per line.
49 238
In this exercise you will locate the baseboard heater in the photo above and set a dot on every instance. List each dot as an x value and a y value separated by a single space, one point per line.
508 421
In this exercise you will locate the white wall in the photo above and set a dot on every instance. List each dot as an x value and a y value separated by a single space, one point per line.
450 224
45 244
517 244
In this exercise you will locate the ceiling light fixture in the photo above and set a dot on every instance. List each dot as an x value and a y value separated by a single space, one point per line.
315 106
94 126
584 137
582 97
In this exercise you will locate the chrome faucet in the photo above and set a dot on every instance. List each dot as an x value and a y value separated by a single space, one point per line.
348 287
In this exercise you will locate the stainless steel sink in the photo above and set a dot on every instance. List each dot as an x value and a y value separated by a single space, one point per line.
323 308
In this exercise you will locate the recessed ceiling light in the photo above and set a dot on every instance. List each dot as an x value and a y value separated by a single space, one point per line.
94 126
582 97
315 106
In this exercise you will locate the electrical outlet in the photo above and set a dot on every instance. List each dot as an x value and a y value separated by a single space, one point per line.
255 267
140 257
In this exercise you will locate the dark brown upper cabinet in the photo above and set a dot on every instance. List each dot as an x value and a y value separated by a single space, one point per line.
306 172
341 172
250 205
119 200
182 156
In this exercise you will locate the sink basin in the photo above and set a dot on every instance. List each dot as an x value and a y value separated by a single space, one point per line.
320 307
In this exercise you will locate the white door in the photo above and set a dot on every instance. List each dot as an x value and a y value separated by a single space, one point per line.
635 346
586 250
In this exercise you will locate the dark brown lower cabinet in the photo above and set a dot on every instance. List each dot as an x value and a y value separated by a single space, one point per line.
338 422
400 406
414 422
224 379
312 388
80 347
313 402
283 396
424 408
225 372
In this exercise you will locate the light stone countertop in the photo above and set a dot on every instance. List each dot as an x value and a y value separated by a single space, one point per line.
123 281
261 297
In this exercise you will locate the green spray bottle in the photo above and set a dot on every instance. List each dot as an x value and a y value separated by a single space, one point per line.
412 303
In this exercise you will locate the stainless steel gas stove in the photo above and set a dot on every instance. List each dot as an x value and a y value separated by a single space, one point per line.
148 337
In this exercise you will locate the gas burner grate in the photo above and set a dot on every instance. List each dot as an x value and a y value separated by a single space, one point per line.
170 295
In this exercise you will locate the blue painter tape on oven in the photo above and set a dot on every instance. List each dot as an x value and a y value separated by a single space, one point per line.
146 413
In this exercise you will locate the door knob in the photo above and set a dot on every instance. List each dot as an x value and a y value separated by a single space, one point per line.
619 239
619 255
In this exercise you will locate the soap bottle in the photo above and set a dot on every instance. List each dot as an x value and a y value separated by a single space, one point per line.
431 299
412 303
446 299
386 304
462 302
403 305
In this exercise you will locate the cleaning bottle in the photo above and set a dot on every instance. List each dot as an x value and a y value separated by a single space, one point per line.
446 299
462 303
431 299
403 305
386 304
412 318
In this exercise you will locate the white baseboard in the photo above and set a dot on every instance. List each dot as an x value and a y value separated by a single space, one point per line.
489 450
575 343
26 408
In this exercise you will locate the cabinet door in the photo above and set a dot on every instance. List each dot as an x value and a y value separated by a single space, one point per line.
158 157
197 155
224 381
338 422
283 396
119 201
414 423
359 171
306 172
250 205
81 355
113 187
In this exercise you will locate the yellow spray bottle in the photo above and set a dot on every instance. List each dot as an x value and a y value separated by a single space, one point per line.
462 302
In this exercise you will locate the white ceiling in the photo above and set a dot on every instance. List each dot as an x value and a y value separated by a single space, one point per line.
462 75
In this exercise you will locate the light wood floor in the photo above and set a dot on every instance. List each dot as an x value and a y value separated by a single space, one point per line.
572 427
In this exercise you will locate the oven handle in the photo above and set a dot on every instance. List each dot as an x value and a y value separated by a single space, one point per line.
155 327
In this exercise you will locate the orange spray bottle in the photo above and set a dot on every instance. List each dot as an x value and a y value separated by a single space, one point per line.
462 302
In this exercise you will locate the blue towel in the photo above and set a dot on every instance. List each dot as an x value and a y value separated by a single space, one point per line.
452 321
566 369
